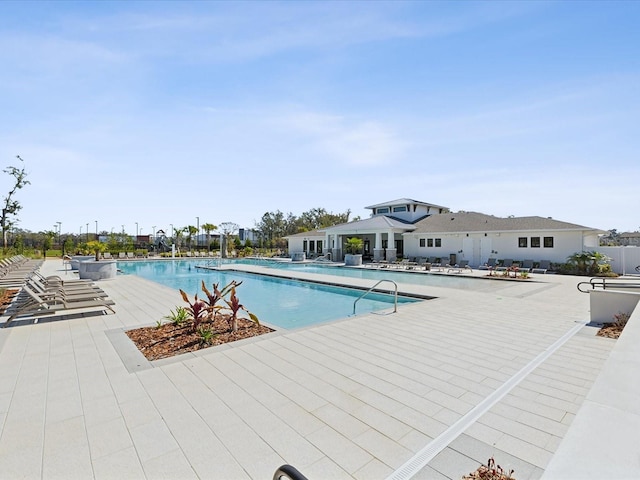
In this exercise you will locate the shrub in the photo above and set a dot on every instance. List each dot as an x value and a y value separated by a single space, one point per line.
490 471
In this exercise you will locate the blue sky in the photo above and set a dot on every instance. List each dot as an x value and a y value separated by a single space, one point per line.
159 113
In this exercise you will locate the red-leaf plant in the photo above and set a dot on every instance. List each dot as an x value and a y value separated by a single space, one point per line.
198 310
217 295
235 306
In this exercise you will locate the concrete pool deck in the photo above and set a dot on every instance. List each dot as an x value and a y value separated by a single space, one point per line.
429 392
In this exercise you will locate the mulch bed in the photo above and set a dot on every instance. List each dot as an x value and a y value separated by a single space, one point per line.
610 331
6 297
490 471
169 339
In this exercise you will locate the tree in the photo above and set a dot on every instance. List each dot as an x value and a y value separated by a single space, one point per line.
191 231
177 236
208 228
273 225
318 218
353 245
97 248
47 241
11 206
228 229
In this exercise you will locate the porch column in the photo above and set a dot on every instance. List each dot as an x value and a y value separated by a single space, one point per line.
378 252
391 247
336 251
327 243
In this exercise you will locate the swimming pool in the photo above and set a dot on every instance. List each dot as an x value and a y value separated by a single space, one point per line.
284 303
398 276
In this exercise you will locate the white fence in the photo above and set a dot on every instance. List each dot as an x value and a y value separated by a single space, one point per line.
624 260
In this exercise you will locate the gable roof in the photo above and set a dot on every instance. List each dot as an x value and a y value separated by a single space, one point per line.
379 222
309 233
404 201
480 222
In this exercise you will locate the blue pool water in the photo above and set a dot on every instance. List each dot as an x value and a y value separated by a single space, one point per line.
284 303
436 280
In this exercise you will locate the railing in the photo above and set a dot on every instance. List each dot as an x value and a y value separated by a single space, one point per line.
607 283
395 300
287 471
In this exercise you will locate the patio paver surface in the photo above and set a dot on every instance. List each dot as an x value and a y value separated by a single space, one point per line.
355 398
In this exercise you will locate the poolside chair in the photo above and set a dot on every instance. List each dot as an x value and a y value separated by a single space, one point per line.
490 265
122 255
70 293
35 306
527 266
459 267
130 255
542 267
506 264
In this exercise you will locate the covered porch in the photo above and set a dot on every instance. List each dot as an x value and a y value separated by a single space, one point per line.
381 237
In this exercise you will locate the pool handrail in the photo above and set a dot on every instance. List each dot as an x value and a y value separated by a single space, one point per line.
604 283
395 299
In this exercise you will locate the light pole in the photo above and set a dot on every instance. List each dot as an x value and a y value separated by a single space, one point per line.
60 237
198 232
80 235
96 229
87 232
136 231
171 233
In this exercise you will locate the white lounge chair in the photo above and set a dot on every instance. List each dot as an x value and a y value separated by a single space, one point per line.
36 306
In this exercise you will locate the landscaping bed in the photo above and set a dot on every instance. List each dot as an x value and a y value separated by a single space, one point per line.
169 339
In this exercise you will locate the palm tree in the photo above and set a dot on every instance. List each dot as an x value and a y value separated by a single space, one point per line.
208 228
191 231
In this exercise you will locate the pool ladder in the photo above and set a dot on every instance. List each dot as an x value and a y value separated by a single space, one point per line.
395 298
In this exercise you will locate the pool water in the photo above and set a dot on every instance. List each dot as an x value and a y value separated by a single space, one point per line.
398 276
284 303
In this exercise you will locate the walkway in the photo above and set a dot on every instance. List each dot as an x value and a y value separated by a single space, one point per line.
356 398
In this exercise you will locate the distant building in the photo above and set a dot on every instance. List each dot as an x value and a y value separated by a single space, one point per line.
410 228
629 238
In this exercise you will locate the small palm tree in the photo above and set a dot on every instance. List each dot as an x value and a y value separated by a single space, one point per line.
208 228
97 248
353 245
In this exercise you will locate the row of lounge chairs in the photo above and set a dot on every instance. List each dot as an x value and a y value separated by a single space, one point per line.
422 263
528 266
41 296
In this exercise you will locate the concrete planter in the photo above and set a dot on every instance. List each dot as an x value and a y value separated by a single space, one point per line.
76 259
102 270
298 257
353 260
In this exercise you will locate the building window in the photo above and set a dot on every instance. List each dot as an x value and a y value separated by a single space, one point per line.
382 210
304 245
535 242
400 209
548 242
429 242
438 242
319 246
522 242
312 245
422 242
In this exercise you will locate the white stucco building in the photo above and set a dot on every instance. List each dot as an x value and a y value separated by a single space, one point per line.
411 228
